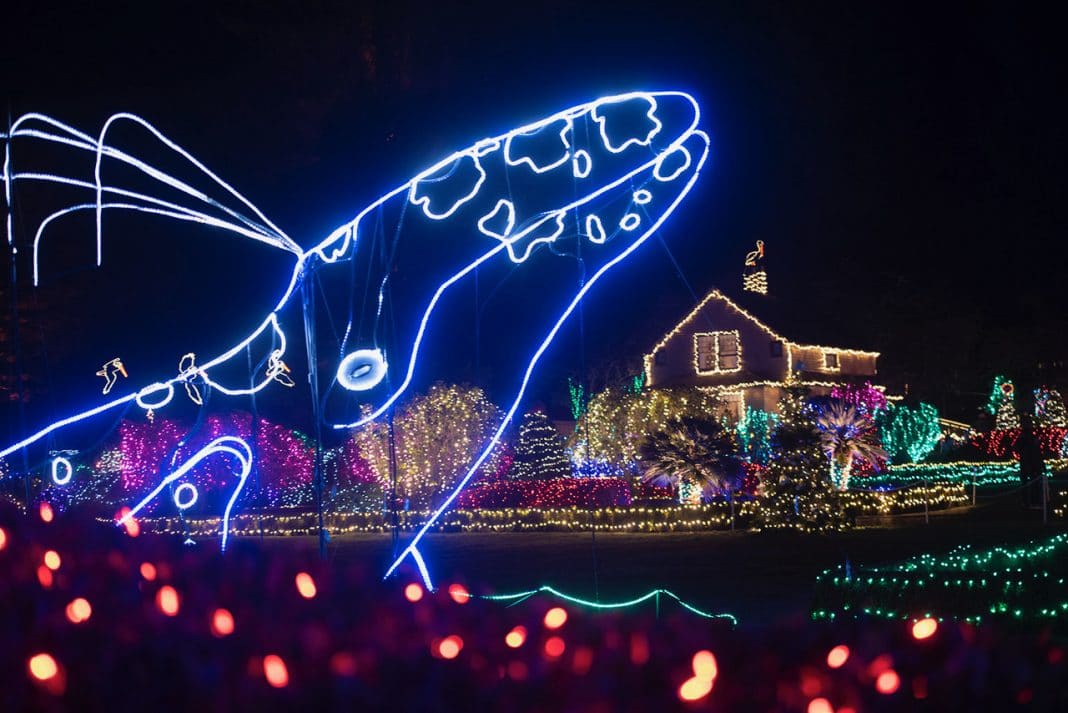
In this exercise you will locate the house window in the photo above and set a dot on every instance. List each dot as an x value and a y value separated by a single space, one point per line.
776 348
716 352
727 351
830 360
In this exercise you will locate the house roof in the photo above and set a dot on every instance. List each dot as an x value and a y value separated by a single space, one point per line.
764 311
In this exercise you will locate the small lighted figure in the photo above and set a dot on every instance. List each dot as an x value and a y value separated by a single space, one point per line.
278 370
755 277
187 371
755 255
110 372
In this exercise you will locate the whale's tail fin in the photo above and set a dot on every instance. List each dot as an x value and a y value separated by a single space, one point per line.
103 177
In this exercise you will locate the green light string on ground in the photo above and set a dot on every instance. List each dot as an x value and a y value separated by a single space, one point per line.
655 594
1022 583
984 474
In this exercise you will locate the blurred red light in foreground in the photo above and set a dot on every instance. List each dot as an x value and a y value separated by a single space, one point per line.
132 528
694 689
555 646
450 647
222 623
639 649
274 670
458 593
413 592
343 664
43 667
924 628
887 682
167 600
820 705
879 664
837 656
305 585
3 538
79 610
555 618
44 576
516 637
148 571
52 560
704 666
46 512
582 661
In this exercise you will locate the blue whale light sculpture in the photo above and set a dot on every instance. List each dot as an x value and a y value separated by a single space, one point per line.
596 179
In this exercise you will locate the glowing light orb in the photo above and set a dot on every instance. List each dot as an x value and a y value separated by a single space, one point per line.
222 623
459 594
306 585
46 513
837 656
3 538
555 618
450 647
52 560
125 518
820 705
516 637
44 576
694 689
705 666
79 610
343 664
148 571
43 667
888 682
167 600
554 647
413 592
275 671
924 629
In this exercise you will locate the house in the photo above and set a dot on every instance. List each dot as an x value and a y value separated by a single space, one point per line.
724 347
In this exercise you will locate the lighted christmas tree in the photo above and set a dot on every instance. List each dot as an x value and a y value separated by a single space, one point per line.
797 492
1049 408
539 451
1002 404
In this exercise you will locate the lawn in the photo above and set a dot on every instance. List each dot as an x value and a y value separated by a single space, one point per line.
760 577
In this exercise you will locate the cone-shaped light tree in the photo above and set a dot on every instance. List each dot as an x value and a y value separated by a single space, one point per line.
797 492
539 450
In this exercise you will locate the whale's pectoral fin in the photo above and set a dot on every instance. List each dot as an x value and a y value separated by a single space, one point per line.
413 551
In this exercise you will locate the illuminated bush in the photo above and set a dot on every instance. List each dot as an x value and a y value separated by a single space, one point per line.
437 435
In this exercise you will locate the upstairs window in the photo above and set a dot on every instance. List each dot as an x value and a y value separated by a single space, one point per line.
830 360
776 349
717 352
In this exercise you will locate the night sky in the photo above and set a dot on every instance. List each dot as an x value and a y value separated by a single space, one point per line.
904 164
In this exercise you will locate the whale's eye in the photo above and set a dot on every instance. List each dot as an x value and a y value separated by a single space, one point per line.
362 369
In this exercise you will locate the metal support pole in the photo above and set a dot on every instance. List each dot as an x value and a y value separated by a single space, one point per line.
926 503
730 496
308 303
973 489
394 521
1045 498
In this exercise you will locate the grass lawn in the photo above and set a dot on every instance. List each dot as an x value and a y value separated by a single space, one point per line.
760 577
